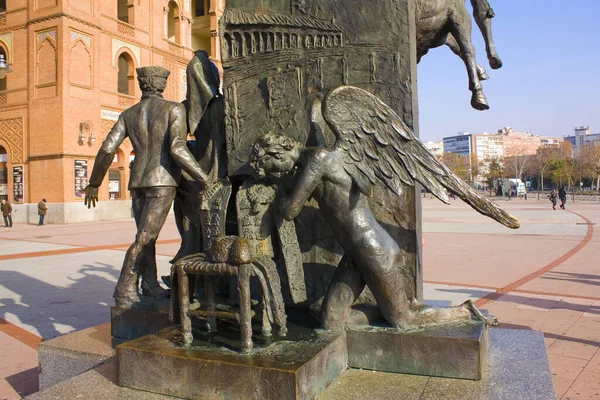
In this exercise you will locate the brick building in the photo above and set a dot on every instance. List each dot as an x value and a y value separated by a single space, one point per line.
73 71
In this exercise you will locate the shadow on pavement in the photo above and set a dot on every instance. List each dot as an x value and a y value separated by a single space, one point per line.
55 310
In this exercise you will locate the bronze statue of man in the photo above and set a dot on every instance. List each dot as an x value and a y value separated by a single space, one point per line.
157 130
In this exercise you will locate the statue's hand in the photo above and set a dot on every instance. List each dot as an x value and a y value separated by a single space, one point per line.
91 196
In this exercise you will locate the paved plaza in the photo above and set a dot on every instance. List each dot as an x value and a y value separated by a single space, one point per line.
545 276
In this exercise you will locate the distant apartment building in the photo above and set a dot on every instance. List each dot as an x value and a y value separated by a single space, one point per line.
436 148
459 144
487 147
582 138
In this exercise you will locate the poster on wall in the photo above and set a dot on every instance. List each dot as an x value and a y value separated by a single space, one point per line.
81 179
18 184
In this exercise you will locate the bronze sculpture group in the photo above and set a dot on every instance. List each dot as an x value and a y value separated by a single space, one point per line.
374 148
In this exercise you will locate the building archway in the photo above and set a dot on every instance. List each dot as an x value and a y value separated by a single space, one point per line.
173 23
2 6
125 66
3 173
3 80
122 11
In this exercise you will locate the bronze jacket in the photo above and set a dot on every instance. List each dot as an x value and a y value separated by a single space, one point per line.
157 130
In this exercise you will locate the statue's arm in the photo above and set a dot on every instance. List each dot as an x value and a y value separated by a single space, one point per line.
179 150
307 182
107 152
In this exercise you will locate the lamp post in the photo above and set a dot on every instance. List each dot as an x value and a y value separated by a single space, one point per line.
4 68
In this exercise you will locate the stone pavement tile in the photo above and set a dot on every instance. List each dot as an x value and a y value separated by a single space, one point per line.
454 295
23 383
480 253
7 392
594 311
539 303
8 247
587 384
561 385
21 357
573 347
566 367
53 295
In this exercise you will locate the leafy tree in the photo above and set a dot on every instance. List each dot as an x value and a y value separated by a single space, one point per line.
457 164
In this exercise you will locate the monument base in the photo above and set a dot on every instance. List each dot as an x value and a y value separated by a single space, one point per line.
518 369
283 369
148 316
456 350
69 355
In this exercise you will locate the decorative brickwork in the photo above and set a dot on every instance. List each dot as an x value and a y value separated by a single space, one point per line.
11 130
126 29
126 101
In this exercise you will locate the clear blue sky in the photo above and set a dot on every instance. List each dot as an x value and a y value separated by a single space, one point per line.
550 81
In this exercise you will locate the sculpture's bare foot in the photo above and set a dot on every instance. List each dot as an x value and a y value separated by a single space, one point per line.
495 62
479 102
490 321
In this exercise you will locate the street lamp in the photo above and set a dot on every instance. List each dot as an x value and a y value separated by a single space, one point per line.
4 68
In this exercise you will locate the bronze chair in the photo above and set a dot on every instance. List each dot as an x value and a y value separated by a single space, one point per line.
229 256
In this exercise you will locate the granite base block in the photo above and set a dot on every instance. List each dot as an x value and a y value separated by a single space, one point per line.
143 319
281 370
451 351
518 369
69 355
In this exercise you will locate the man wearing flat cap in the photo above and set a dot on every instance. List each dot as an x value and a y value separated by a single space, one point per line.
157 130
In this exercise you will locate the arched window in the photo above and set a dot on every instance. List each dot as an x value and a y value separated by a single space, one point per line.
173 23
3 174
2 6
122 11
125 79
199 8
3 80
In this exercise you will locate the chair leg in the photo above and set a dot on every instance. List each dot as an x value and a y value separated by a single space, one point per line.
184 306
209 285
245 310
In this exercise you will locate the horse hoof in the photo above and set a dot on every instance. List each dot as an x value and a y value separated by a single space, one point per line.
479 102
483 76
495 62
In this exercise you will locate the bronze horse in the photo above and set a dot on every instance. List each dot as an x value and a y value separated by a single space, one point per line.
447 22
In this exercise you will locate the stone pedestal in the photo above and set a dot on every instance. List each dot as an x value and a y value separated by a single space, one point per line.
518 369
67 356
282 370
451 351
147 317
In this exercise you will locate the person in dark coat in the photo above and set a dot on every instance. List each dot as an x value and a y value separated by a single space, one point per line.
552 196
42 208
562 195
157 130
7 213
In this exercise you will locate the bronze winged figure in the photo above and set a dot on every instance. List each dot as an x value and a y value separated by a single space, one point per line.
373 147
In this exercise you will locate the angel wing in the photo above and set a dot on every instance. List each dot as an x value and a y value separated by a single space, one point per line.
378 148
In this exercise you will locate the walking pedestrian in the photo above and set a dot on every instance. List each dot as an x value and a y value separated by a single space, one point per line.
562 195
42 208
552 196
7 213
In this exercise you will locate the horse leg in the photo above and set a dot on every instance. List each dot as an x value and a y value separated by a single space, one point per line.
461 30
483 14
451 43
